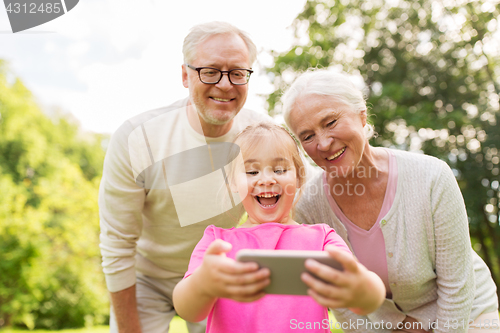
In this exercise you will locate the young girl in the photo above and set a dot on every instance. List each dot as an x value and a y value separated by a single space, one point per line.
231 293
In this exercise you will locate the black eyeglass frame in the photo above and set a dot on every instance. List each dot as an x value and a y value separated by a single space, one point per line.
198 69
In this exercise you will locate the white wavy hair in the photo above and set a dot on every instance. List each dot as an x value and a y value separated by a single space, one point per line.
326 82
200 32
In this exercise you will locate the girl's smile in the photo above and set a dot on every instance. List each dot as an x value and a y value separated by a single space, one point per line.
268 200
271 184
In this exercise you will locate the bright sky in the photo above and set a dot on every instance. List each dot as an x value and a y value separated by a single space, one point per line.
108 60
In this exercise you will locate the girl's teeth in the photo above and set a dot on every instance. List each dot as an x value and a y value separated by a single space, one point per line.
266 201
267 195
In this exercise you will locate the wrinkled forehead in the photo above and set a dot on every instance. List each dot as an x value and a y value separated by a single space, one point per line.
311 108
312 101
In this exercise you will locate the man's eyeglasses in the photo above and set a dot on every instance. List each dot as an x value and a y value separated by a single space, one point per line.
209 75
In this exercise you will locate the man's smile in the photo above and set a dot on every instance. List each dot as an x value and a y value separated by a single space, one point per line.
222 99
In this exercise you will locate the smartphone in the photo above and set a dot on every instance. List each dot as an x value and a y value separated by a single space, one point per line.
286 266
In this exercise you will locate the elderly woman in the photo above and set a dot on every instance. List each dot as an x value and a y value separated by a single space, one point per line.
401 213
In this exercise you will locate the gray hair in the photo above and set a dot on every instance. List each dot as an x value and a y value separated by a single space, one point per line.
325 82
200 32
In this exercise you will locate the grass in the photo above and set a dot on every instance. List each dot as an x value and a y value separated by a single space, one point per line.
97 329
176 326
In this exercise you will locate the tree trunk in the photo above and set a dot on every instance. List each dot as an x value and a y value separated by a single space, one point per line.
484 249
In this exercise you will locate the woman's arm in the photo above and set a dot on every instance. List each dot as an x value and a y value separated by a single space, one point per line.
218 276
355 288
454 267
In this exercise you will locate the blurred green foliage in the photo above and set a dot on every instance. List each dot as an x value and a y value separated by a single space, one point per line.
50 274
95 329
432 79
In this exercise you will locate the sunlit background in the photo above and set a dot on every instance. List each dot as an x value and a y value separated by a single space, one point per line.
430 71
105 61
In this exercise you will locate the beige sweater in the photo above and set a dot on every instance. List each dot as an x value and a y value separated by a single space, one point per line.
155 200
434 274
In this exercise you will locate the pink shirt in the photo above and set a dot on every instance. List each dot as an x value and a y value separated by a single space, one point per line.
272 313
369 245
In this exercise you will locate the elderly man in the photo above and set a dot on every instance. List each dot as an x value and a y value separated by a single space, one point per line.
163 175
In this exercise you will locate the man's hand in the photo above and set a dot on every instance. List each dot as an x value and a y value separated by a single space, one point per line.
125 308
355 288
220 276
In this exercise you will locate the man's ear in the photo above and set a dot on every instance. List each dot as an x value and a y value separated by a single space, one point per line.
185 81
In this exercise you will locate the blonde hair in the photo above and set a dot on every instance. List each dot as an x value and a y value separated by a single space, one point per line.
324 82
200 32
253 135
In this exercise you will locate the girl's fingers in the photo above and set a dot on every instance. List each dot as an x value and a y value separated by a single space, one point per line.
247 278
325 301
241 268
218 247
247 291
326 273
347 260
326 290
248 283
228 265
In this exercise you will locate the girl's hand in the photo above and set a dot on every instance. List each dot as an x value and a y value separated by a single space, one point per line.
355 288
220 276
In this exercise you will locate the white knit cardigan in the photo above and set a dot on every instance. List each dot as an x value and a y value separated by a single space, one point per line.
434 274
